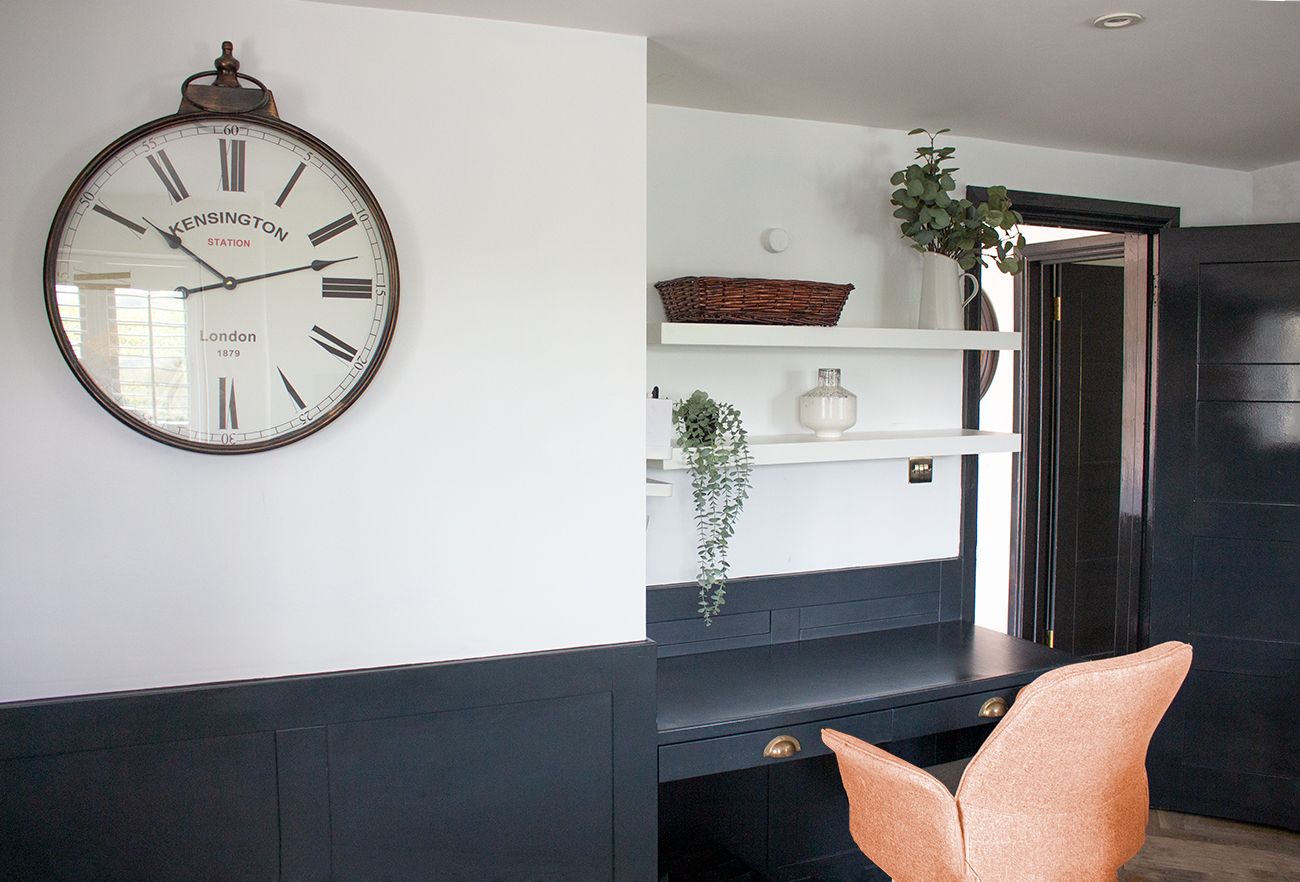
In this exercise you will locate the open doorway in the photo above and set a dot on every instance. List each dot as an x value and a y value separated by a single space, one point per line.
998 406
1002 575
1079 490
1046 538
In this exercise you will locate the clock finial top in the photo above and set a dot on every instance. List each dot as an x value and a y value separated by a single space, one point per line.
224 94
227 66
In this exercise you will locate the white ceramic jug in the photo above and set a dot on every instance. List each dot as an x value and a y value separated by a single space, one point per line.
941 300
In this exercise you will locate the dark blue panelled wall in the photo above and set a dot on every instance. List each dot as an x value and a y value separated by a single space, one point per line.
538 766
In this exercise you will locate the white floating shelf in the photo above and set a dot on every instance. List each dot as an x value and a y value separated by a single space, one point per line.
802 337
658 488
785 449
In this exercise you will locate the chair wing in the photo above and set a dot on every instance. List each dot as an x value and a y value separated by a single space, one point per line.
1062 780
900 816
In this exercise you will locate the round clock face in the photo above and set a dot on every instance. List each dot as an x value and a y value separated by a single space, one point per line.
222 284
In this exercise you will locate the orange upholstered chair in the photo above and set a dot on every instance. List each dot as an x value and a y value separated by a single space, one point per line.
1058 792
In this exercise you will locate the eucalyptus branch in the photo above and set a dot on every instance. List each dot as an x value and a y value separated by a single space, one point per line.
936 221
716 449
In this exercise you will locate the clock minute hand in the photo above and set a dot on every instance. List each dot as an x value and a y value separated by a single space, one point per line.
230 284
174 242
316 265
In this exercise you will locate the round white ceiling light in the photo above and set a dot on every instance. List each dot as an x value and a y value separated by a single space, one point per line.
1113 20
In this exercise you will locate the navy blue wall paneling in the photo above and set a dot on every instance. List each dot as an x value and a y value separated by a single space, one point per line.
538 766
764 610
202 809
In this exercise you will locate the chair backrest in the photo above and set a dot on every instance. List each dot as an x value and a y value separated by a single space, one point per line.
1061 782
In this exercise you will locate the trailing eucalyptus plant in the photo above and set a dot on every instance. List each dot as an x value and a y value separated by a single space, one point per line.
716 450
937 221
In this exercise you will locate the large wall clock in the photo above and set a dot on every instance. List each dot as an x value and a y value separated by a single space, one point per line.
218 279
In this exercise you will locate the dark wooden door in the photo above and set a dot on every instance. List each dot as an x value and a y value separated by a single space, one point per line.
1088 420
1224 526
1082 410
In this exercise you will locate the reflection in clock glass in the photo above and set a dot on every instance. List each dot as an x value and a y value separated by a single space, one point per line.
224 282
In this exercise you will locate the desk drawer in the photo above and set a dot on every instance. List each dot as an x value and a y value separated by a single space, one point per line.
711 755
948 714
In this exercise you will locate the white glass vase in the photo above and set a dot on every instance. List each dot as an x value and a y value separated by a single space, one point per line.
829 408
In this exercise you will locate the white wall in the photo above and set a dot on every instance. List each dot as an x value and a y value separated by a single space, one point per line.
421 526
716 181
1277 194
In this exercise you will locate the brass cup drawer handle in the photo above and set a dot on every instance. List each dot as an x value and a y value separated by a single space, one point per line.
993 708
781 747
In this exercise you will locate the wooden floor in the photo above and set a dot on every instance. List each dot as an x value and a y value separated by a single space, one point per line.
1189 848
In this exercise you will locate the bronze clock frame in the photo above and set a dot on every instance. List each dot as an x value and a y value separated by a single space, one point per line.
200 104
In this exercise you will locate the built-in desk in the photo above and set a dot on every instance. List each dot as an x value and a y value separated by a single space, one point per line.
885 653
718 710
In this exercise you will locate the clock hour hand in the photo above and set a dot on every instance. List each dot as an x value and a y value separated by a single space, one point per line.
230 284
174 242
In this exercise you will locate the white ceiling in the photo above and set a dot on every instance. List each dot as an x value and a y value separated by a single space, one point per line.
1214 82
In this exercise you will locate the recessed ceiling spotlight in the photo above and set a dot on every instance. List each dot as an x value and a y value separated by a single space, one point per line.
1112 20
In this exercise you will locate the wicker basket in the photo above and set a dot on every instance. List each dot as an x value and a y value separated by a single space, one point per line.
752 301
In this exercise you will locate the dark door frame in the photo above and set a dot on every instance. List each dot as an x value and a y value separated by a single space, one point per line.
1104 216
1081 213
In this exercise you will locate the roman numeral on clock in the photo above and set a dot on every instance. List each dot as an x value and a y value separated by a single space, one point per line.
293 393
232 164
114 216
357 289
167 174
330 230
227 415
333 345
101 281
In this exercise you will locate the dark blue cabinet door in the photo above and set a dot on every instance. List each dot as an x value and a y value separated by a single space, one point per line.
1224 523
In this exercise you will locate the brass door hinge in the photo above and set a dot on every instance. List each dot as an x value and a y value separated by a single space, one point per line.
1057 306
